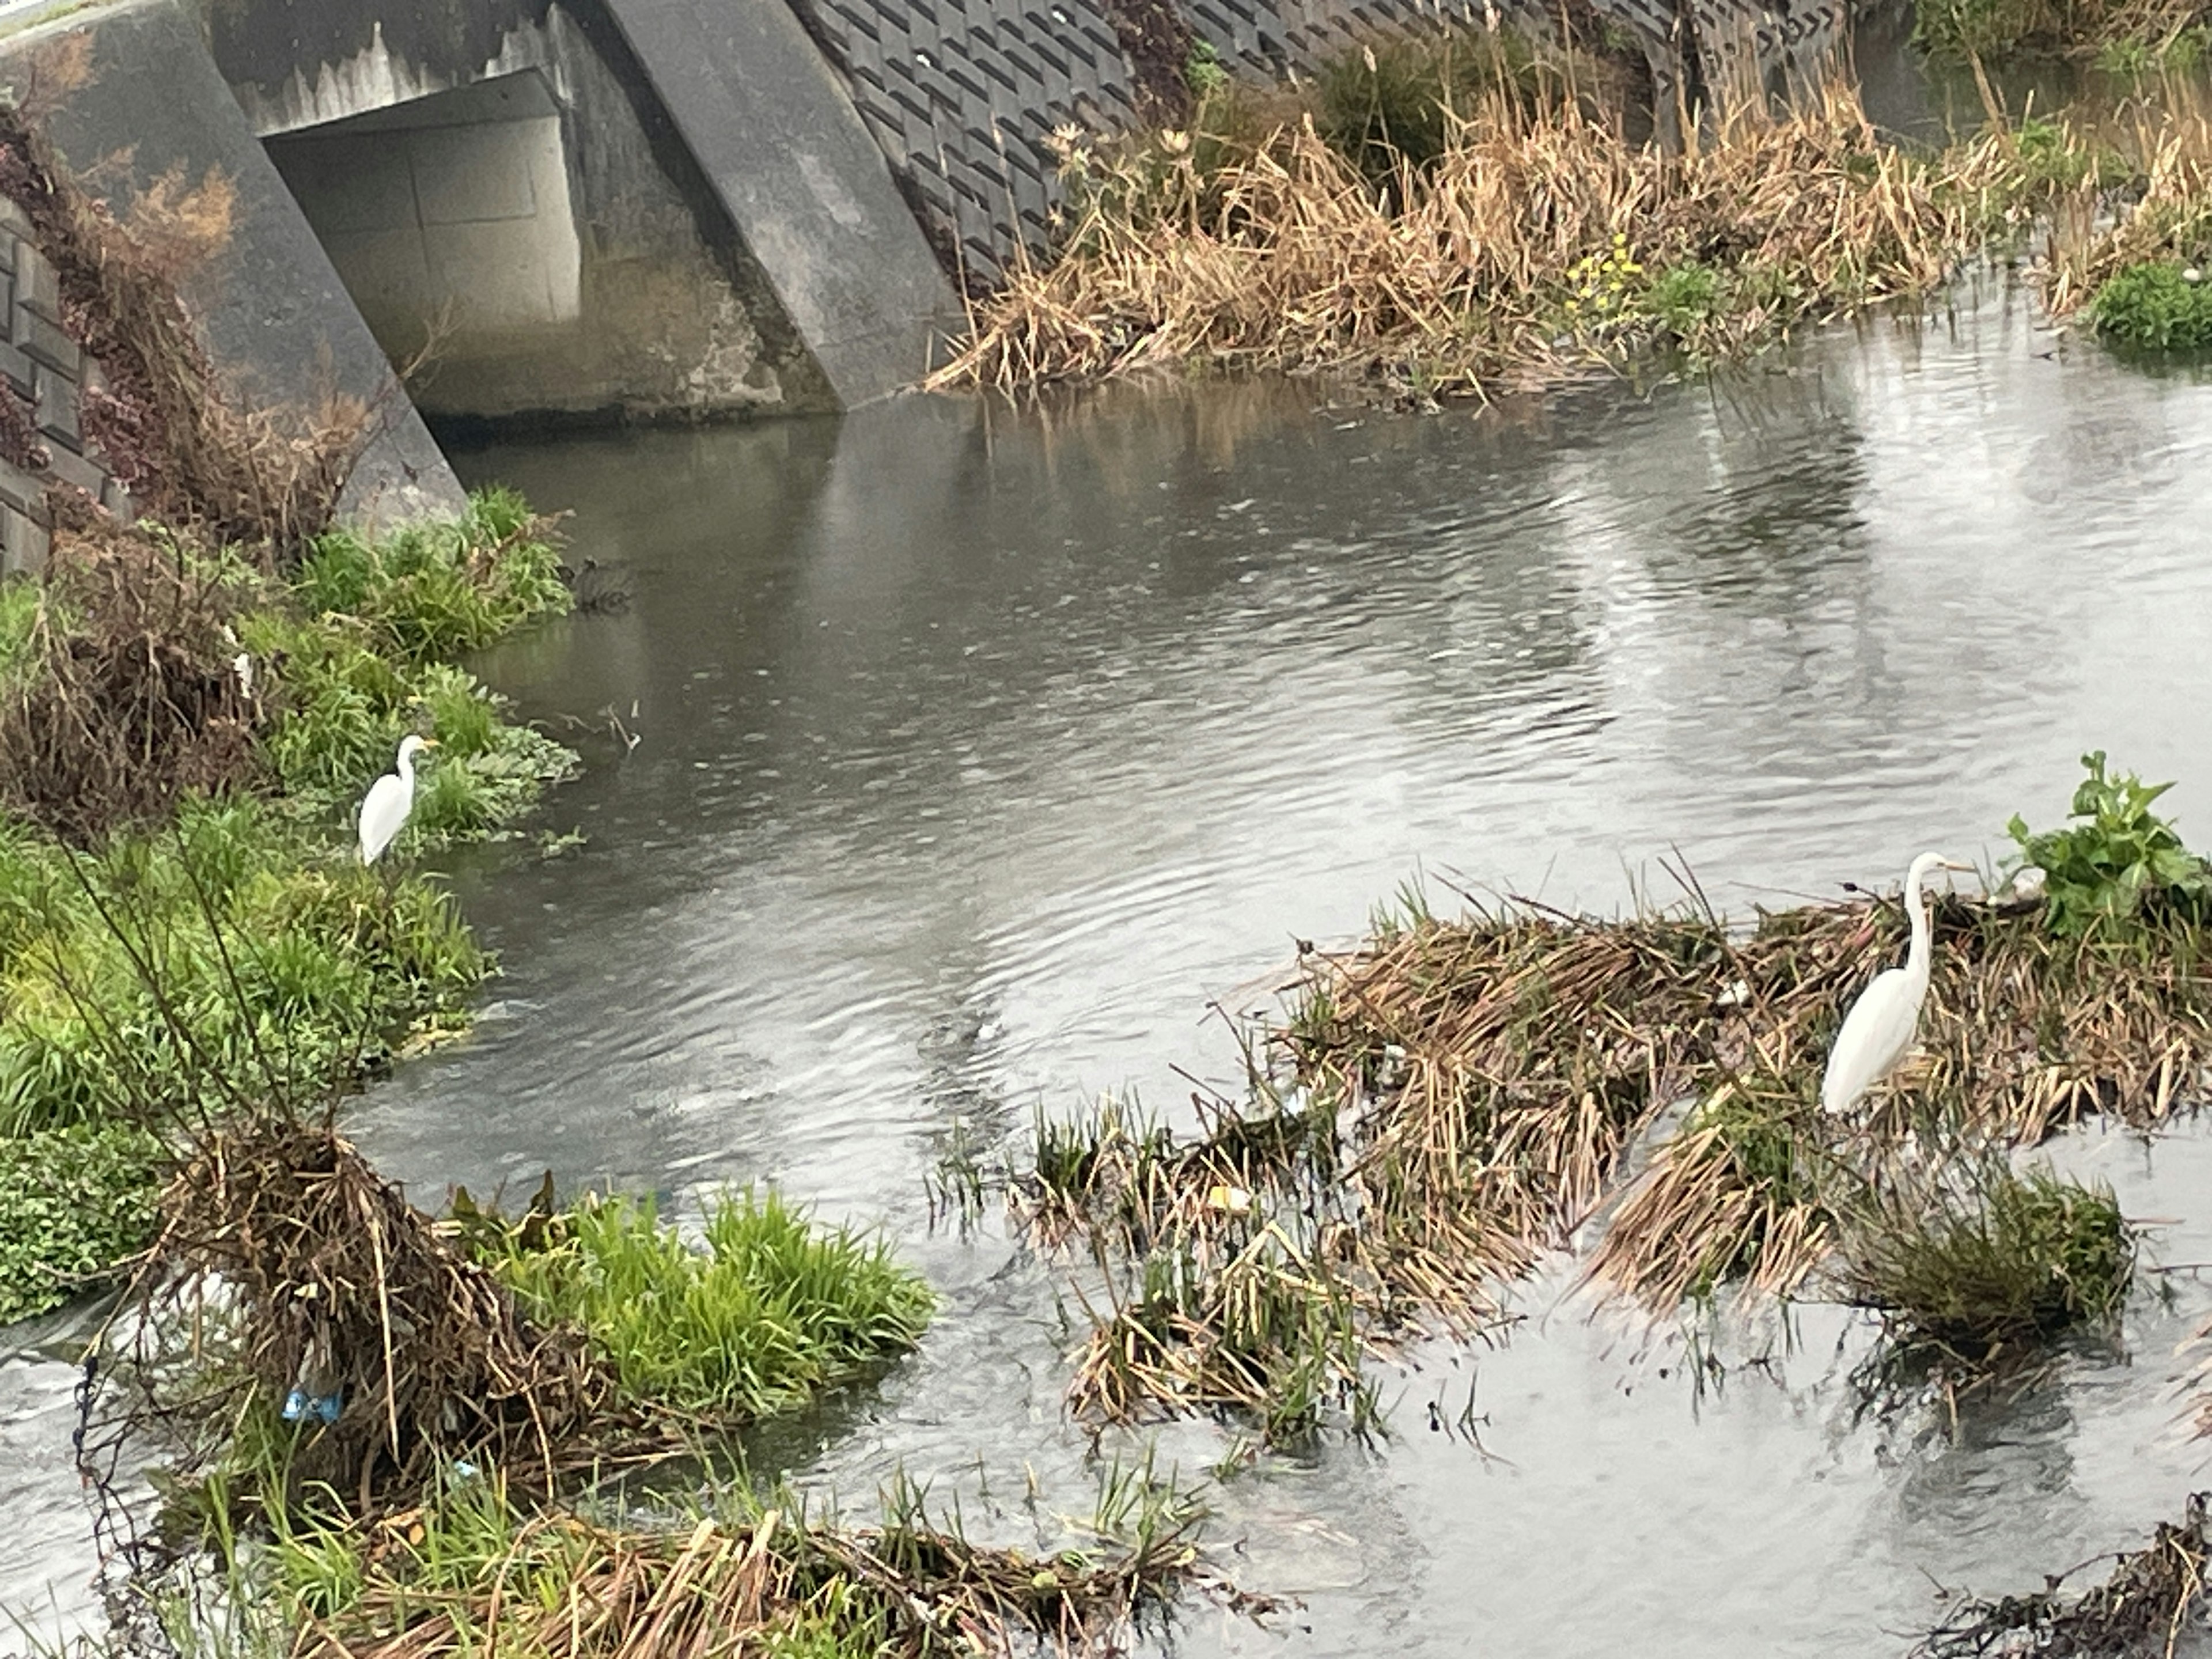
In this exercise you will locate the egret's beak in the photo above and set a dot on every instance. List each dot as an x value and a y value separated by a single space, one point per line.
432 743
1954 864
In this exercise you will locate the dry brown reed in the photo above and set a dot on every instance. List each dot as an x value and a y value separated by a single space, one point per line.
257 478
132 702
1474 1092
1500 1070
1527 250
1526 1071
2135 186
285 1261
1730 1198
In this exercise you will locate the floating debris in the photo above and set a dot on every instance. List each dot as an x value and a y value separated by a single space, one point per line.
286 1265
2153 1595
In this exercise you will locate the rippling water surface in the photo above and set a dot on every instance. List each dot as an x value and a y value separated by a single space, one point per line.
979 754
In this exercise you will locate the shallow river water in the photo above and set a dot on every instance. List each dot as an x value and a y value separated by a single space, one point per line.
978 754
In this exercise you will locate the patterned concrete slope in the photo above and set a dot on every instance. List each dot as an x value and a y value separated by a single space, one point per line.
963 95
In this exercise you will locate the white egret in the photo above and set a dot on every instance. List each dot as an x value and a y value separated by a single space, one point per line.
385 808
1878 1032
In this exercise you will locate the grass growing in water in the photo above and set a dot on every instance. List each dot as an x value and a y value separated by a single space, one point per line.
1455 1098
1527 239
279 968
770 1307
470 1570
1968 1278
1537 241
2157 306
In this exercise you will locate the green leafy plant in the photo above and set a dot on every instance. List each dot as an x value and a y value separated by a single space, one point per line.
2117 857
1202 69
2158 305
80 1200
1682 299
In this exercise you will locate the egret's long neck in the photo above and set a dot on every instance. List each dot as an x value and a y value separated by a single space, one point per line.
407 777
1916 959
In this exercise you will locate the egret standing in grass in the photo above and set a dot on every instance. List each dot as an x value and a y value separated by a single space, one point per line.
385 808
1878 1032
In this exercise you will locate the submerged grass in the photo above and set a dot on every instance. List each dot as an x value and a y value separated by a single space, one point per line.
765 1310
1982 1272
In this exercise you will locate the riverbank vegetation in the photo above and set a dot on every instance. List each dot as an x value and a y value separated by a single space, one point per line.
2128 36
372 1431
768 1311
1446 1105
182 925
1515 225
624 1574
461 1388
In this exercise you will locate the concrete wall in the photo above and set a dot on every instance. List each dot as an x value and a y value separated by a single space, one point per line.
525 227
269 307
43 366
680 287
451 211
963 96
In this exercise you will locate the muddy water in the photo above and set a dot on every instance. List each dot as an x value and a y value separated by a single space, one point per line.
977 755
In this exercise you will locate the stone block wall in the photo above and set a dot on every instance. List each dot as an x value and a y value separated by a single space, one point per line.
45 373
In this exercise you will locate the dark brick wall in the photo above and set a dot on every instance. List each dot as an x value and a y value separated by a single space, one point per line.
44 369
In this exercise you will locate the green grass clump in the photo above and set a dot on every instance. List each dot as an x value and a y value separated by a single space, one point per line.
362 641
769 1310
1396 101
2155 306
20 600
428 592
1970 1278
279 968
2116 859
80 1200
